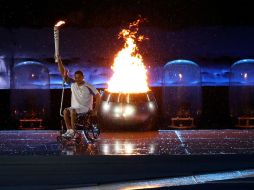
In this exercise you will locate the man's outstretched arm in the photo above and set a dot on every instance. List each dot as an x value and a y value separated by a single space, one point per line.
63 70
61 67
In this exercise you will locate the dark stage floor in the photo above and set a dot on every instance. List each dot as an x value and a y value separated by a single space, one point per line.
35 160
171 142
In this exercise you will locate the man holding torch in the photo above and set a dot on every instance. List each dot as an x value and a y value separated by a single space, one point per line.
82 93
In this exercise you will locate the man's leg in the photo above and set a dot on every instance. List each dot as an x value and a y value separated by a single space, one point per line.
67 118
73 114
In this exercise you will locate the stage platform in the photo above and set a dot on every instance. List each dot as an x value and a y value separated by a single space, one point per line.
35 160
166 142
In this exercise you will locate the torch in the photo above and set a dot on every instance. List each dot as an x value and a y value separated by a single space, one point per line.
56 37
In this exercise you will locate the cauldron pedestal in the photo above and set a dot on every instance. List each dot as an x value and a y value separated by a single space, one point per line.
127 111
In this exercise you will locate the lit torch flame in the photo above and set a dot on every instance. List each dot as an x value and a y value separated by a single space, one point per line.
59 23
129 72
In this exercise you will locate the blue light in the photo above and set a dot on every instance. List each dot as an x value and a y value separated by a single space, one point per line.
216 75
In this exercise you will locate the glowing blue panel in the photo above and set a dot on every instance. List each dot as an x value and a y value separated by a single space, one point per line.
30 75
181 93
242 92
4 73
30 96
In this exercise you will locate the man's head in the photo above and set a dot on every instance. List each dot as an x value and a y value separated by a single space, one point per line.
79 77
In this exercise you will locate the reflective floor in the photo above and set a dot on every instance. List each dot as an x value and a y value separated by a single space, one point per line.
169 142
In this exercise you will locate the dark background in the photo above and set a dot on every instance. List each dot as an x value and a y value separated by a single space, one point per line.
170 15
173 16
166 15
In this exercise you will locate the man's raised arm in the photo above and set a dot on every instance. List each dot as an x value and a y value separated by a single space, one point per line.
63 71
61 68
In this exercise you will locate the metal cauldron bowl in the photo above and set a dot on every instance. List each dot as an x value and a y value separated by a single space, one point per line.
127 111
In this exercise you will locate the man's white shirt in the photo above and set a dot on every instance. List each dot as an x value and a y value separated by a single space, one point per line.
82 97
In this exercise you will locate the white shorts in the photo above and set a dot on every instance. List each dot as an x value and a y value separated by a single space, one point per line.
78 110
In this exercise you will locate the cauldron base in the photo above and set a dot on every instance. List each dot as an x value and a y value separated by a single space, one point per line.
134 112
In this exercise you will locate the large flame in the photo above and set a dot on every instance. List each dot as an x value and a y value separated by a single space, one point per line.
129 72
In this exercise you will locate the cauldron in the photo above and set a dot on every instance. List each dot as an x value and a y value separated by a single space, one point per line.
124 111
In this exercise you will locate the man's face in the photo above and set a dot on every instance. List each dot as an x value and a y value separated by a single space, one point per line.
78 78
